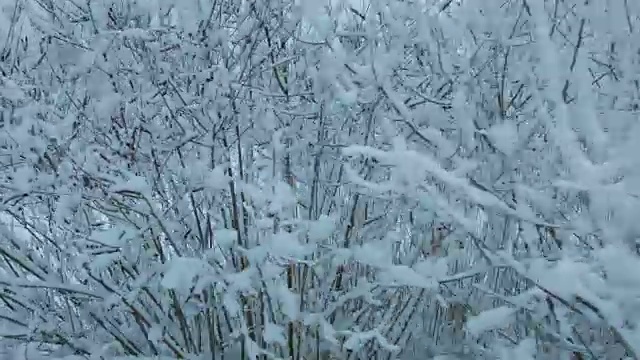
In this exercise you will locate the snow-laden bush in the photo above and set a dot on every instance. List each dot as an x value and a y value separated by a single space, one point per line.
286 180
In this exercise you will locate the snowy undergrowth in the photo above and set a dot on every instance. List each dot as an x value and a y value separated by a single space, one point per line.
285 180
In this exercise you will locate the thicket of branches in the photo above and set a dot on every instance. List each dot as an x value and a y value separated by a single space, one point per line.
229 179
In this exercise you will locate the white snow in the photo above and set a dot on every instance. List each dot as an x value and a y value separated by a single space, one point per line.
321 229
134 183
225 238
504 136
182 271
217 179
155 333
489 320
